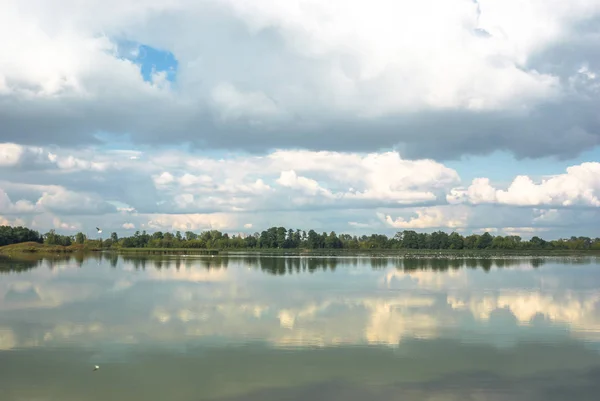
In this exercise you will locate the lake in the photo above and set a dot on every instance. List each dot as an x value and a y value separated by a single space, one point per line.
260 328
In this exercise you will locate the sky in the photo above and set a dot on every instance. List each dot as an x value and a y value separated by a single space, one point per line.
351 116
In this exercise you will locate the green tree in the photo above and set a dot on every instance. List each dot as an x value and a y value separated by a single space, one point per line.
455 241
50 237
80 238
313 240
484 241
470 241
410 240
332 241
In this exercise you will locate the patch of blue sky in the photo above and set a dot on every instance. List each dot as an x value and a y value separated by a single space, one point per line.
150 59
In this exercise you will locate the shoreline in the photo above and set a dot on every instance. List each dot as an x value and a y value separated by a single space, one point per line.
37 248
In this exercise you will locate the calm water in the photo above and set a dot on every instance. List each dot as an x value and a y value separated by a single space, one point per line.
269 328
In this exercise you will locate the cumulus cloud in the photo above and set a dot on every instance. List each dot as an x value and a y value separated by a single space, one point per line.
10 154
367 71
580 185
15 156
195 222
69 202
341 191
20 207
52 204
311 187
435 217
323 179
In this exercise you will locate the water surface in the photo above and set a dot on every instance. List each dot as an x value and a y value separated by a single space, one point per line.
299 328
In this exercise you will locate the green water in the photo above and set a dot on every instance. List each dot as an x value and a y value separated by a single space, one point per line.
299 328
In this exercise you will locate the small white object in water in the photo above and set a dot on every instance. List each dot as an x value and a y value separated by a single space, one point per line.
96 368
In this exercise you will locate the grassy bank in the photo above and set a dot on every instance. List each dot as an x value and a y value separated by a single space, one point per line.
363 252
403 251
35 247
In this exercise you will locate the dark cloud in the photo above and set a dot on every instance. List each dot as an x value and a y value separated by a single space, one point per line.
563 129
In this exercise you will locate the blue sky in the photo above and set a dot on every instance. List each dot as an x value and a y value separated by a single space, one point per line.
238 116
503 166
150 59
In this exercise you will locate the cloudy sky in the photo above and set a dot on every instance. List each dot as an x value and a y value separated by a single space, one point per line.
348 115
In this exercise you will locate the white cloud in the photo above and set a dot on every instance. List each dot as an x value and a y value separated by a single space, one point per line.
358 224
311 187
188 180
77 164
40 158
305 178
524 230
11 221
62 225
184 222
367 49
369 170
376 47
65 201
128 226
18 156
434 217
19 207
10 154
163 179
579 186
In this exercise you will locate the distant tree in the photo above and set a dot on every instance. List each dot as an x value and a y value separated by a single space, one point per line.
455 241
80 238
484 241
190 236
410 240
52 238
470 241
14 235
332 241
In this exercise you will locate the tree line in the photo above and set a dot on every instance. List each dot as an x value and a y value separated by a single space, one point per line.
15 235
282 238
